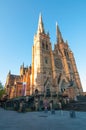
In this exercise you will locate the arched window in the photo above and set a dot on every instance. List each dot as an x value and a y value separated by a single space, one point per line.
66 54
46 60
46 47
59 78
48 91
36 91
69 65
43 45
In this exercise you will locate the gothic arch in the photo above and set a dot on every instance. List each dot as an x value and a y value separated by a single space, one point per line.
47 86
63 83
46 46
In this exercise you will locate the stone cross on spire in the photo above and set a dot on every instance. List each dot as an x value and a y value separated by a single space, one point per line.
58 34
40 25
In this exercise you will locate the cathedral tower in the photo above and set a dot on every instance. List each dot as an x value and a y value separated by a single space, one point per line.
41 60
68 62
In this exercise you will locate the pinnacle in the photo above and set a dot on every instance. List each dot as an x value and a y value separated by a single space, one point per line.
40 24
58 34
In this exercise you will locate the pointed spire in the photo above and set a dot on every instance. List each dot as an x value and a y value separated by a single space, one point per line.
40 25
23 65
66 42
9 73
58 34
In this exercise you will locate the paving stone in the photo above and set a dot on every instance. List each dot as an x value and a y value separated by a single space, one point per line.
61 120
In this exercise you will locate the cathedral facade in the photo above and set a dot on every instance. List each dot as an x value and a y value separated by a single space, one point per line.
52 71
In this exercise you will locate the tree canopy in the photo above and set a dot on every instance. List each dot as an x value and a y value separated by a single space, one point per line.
2 90
1 86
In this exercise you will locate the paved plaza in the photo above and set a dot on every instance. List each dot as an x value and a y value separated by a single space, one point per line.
12 120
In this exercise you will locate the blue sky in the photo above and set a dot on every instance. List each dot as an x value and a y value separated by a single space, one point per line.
18 24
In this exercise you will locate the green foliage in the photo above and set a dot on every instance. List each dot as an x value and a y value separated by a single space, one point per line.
2 90
1 86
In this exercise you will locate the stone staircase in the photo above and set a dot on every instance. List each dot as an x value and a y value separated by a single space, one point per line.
79 105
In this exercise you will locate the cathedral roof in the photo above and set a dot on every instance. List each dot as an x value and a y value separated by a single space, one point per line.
13 78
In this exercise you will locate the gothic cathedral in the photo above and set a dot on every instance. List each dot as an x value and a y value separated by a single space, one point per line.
52 71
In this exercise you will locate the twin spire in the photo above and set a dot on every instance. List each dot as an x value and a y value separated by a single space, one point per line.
41 30
58 34
40 25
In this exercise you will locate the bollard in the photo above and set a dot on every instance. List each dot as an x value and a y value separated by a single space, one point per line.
52 111
72 114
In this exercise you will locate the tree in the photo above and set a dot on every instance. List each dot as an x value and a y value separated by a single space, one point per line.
2 90
1 86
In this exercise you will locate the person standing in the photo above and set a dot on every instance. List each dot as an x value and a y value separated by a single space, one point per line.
51 105
45 105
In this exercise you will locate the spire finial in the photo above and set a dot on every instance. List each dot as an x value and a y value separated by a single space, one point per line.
9 72
23 65
40 25
66 42
58 34
56 24
40 15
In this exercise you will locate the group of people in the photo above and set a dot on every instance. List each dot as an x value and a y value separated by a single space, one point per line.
59 103
50 104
